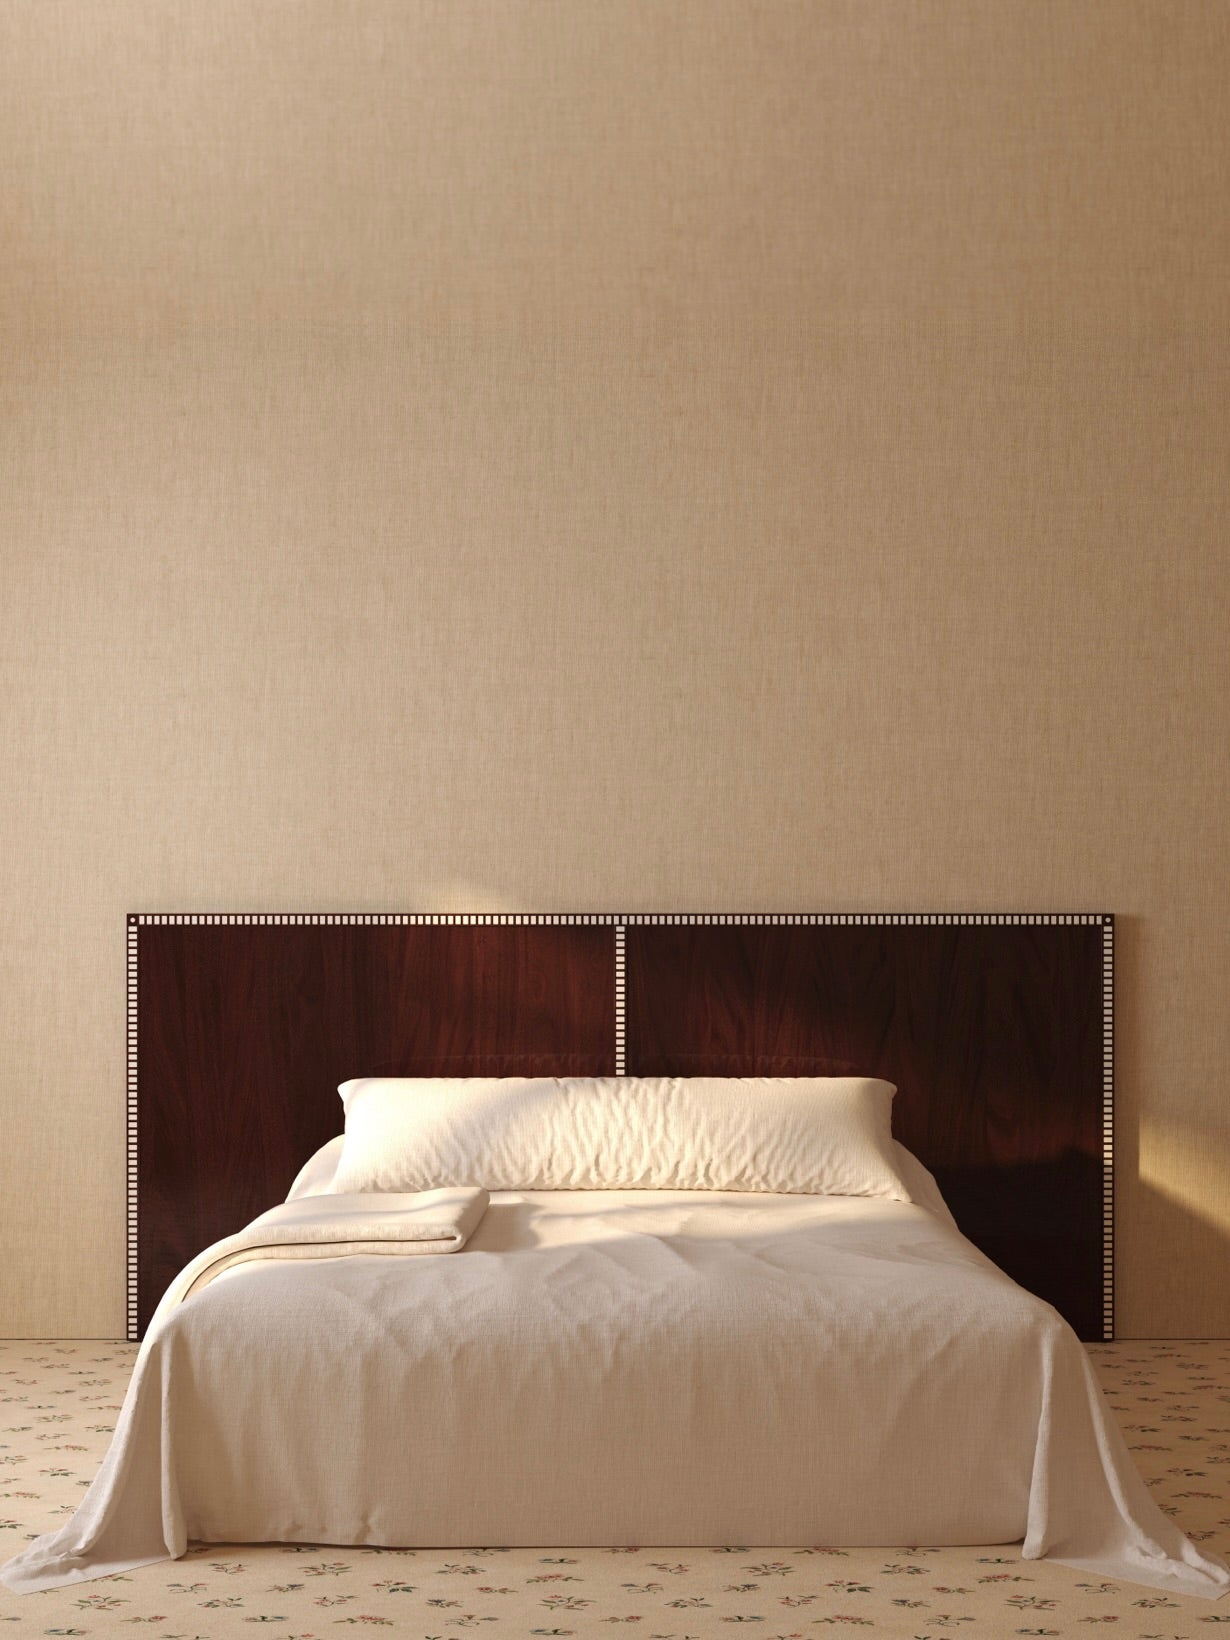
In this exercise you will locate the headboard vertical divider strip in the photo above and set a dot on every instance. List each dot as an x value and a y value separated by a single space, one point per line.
621 998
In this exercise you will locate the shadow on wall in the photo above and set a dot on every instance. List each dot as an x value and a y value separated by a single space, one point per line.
1165 1166
1162 1218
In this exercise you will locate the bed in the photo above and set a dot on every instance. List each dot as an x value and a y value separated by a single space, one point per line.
402 1358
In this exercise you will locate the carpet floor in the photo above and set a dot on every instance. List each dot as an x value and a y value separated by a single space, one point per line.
58 1405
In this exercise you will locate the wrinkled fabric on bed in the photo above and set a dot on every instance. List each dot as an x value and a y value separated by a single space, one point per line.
626 1368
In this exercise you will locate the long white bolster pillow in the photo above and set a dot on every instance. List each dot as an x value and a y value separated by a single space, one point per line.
804 1135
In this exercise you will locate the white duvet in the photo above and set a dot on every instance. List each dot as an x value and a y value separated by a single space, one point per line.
631 1367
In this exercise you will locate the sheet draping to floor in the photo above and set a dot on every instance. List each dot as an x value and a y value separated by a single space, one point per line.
625 1368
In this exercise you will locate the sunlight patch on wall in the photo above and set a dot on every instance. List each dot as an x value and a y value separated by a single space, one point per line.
1186 1167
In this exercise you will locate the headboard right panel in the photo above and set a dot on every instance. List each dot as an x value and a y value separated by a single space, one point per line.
993 1034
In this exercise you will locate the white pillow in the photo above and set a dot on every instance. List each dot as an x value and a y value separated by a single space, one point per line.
804 1135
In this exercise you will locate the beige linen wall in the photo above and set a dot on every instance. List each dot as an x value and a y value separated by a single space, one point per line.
611 454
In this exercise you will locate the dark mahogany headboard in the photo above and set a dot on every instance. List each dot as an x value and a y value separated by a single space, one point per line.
997 1030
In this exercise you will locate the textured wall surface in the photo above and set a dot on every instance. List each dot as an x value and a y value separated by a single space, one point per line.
612 454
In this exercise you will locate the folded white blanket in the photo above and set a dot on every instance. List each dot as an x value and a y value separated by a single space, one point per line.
423 1221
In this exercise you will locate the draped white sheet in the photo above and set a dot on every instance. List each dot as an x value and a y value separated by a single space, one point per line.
634 1367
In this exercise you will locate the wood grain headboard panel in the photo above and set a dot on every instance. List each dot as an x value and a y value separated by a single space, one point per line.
245 1030
993 1034
997 1031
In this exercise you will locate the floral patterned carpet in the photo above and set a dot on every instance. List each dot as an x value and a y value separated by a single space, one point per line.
59 1401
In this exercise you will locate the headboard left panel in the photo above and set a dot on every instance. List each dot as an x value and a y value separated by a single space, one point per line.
246 1031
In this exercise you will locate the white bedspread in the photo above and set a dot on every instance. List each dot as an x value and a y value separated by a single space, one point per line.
634 1367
